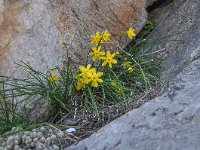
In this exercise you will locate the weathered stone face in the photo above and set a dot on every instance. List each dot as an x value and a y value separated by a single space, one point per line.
32 30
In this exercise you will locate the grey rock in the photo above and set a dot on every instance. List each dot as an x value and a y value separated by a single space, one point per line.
171 121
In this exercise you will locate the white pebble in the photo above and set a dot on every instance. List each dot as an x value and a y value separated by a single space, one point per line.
60 134
53 137
39 134
16 147
48 141
16 142
35 140
9 147
71 130
23 136
34 130
32 144
42 139
13 129
42 129
27 132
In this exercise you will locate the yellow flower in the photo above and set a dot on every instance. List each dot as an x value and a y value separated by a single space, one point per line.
106 35
116 87
79 85
96 39
53 69
131 33
113 84
130 69
83 78
108 59
95 77
119 90
85 71
96 54
53 78
82 83
126 64
117 53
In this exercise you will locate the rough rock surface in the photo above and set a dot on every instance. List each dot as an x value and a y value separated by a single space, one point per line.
32 30
172 120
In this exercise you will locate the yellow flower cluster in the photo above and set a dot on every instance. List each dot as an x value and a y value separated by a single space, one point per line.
88 76
96 54
100 37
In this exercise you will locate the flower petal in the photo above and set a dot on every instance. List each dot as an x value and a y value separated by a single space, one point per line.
104 63
99 74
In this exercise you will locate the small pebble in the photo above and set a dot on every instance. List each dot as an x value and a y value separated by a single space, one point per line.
16 147
4 144
42 129
10 138
48 141
71 130
42 139
53 137
16 142
32 144
60 134
9 147
13 129
55 147
39 134
34 130
27 132
28 145
35 140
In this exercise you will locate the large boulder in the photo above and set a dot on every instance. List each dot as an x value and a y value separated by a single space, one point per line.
32 30
171 121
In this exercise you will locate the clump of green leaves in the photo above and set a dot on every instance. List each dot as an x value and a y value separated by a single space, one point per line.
110 78
10 117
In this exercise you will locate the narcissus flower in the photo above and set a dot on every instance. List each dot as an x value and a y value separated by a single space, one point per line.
96 53
106 36
130 69
85 71
95 77
96 39
117 53
82 83
127 64
109 59
53 77
113 84
83 77
131 33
